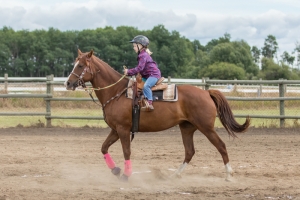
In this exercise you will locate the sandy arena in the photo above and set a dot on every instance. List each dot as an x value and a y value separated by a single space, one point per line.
66 163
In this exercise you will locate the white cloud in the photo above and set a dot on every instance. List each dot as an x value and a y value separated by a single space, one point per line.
197 20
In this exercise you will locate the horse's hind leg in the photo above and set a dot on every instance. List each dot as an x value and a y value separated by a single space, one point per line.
111 138
187 133
213 137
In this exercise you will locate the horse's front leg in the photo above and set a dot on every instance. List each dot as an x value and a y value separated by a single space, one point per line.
111 138
124 135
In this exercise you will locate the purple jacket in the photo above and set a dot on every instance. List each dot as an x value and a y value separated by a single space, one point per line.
146 66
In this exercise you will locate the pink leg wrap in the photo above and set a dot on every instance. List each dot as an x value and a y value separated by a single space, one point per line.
109 161
128 168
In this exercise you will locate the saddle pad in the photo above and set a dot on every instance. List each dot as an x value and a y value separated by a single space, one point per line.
168 94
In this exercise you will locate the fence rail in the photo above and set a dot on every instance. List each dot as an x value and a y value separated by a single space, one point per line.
205 83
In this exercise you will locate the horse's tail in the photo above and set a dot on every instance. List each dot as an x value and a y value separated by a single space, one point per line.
225 114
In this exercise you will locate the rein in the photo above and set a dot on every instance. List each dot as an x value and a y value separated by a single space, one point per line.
93 89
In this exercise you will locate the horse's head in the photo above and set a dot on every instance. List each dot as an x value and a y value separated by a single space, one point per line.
82 71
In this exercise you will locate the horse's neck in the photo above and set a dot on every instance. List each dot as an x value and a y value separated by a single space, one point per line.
107 82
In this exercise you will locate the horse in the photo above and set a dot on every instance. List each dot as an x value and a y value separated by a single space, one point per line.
195 109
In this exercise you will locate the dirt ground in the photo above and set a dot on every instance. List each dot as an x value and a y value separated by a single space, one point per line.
66 163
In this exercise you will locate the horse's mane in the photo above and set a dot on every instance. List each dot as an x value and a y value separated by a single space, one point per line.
101 62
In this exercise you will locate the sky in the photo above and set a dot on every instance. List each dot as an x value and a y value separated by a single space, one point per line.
204 20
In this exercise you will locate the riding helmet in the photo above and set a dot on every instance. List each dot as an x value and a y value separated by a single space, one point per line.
140 39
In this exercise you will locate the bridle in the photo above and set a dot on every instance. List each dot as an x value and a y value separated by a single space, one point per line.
87 68
90 90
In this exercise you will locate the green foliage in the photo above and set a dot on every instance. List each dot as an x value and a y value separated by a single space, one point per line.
214 42
256 54
237 53
270 47
224 71
272 71
4 58
287 58
42 52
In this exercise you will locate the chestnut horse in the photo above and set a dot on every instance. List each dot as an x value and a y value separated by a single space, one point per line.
195 109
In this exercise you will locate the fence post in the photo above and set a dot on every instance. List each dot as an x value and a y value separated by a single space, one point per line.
203 81
5 83
48 102
169 80
285 87
235 86
206 85
52 78
260 87
281 107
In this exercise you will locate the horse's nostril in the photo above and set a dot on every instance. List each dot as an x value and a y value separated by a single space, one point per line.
68 83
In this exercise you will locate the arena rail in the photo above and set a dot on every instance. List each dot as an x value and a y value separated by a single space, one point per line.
205 83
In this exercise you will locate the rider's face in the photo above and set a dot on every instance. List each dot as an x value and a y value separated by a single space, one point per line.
136 47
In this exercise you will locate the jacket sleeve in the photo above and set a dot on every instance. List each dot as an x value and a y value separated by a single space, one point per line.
140 67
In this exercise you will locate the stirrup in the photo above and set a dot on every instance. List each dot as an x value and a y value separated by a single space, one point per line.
147 107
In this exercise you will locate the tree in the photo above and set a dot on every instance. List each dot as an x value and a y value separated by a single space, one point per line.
224 71
214 42
166 61
43 52
270 47
287 58
237 52
4 62
161 36
202 60
297 50
36 57
256 54
272 71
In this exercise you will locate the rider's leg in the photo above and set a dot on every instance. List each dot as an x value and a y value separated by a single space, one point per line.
150 82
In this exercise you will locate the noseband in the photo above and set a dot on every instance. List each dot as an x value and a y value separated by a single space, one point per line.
80 77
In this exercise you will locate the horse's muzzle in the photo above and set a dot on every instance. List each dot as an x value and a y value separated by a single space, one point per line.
71 86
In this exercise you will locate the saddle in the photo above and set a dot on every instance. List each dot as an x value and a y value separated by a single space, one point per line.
158 86
161 92
138 99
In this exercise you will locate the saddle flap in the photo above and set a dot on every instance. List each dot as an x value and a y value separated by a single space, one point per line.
159 87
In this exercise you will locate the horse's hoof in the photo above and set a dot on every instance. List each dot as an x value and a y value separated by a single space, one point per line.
116 171
228 178
123 178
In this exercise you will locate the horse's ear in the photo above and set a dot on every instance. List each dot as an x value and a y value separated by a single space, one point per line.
91 53
79 52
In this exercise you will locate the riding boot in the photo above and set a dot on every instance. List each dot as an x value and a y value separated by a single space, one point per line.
148 106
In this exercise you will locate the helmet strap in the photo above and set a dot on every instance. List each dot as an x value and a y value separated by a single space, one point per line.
139 51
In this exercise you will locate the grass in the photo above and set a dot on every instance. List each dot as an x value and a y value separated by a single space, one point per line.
265 123
89 108
40 121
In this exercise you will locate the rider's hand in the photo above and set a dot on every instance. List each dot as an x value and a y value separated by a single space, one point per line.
125 71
